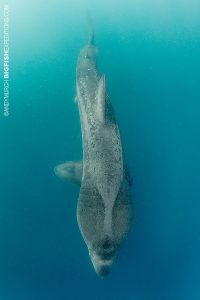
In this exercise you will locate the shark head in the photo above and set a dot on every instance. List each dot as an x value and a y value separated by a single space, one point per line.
102 233
103 256
88 56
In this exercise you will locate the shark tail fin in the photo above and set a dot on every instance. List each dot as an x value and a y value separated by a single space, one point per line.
90 29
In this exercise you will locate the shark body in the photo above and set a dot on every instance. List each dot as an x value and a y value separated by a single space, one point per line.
104 204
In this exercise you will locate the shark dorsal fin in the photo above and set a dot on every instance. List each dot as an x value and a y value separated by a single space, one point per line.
101 98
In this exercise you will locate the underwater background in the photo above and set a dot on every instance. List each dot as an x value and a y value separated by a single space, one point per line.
150 53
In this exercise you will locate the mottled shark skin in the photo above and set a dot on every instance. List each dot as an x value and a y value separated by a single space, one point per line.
104 203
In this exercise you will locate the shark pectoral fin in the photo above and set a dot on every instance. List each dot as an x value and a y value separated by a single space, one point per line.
71 170
101 98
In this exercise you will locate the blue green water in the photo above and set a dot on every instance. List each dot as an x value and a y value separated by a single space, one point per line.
149 51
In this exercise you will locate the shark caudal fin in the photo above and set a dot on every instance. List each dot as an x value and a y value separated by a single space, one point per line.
90 29
71 170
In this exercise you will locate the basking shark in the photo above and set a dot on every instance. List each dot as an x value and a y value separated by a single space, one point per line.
104 203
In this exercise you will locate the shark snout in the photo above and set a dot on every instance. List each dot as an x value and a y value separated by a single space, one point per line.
103 269
103 257
102 266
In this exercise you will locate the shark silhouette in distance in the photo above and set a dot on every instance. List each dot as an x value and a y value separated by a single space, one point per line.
104 204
